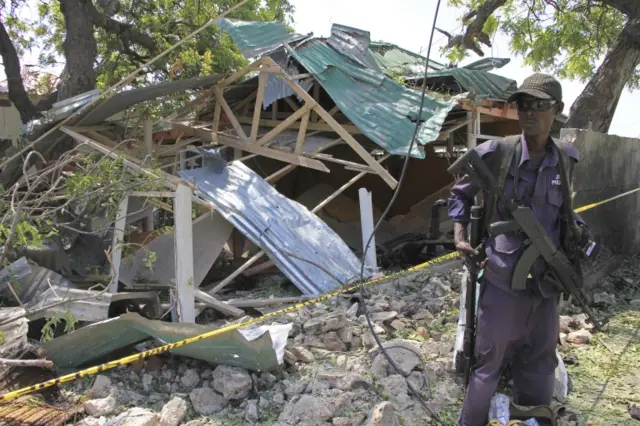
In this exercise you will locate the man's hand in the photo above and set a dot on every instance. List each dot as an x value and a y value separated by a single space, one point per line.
470 255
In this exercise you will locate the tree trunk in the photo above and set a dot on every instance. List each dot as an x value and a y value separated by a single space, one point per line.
596 105
17 93
80 49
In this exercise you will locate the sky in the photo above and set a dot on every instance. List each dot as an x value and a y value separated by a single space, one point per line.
407 23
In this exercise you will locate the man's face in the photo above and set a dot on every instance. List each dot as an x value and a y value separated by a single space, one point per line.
536 115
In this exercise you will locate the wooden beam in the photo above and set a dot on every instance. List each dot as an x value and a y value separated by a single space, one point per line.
254 148
359 167
238 74
302 132
382 172
219 306
255 124
294 106
185 287
321 127
230 115
301 76
333 111
316 97
118 240
237 107
283 125
274 110
216 118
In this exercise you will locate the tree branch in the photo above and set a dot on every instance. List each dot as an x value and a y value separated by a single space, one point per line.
474 35
631 8
127 34
42 363
17 93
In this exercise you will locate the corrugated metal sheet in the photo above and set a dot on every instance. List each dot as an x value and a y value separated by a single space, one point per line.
274 223
379 106
484 84
276 88
394 59
257 38
383 110
353 43
254 348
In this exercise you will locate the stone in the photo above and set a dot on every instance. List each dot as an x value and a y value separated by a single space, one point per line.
382 415
345 334
604 299
423 332
404 354
201 422
296 388
232 382
436 305
328 322
353 310
147 379
634 412
380 366
101 387
580 337
635 303
206 402
416 379
278 398
263 402
313 342
384 317
307 409
565 323
342 380
190 379
563 339
251 413
581 321
398 325
333 343
174 412
395 387
100 407
92 421
135 417
267 380
303 354
356 342
423 315
289 357
154 364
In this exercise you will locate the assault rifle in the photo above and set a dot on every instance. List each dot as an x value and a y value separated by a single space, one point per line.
562 273
464 357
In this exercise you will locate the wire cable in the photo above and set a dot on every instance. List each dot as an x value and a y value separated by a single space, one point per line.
386 212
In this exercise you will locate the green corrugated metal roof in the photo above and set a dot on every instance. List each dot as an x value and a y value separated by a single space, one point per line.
254 38
380 107
394 59
484 84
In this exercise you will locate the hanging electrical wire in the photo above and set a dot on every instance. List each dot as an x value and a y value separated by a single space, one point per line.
383 350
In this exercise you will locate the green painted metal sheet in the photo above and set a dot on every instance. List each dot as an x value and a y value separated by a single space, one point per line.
484 84
396 60
255 38
379 106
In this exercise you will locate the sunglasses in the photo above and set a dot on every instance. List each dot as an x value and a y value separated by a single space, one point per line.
535 105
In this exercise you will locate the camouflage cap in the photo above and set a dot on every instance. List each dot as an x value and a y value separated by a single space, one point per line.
541 86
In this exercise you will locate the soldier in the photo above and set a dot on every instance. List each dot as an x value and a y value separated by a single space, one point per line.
519 328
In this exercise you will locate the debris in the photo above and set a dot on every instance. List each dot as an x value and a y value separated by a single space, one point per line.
205 401
580 337
135 417
255 348
231 382
100 407
634 412
174 412
382 415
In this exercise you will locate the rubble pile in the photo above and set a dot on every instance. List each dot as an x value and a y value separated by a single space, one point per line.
333 372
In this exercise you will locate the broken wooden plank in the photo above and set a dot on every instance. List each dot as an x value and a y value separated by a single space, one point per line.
230 115
302 132
255 125
185 287
219 306
254 148
283 125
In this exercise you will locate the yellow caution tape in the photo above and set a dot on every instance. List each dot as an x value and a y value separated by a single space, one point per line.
133 358
590 206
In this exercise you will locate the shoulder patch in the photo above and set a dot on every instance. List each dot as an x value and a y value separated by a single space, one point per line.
571 151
